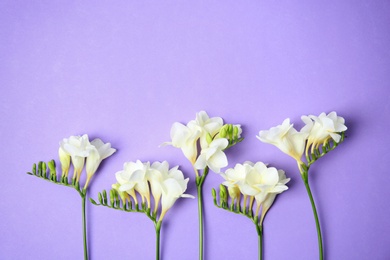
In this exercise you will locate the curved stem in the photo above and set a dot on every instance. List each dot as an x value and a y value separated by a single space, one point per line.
158 229
313 205
83 197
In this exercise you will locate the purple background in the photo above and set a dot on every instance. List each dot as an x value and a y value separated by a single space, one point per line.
124 71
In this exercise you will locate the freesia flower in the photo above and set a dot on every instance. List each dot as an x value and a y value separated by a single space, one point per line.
65 161
185 138
213 156
286 138
78 147
158 172
173 188
323 128
133 178
261 181
234 176
98 152
206 125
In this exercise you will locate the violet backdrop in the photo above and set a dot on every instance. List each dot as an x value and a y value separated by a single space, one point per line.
125 71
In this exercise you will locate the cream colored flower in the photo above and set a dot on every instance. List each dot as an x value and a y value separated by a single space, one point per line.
173 188
78 147
213 156
65 161
286 138
133 178
98 152
323 128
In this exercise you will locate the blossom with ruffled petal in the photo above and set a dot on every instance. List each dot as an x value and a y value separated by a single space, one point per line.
234 176
261 182
173 188
185 138
78 147
206 126
213 156
286 138
98 152
132 178
65 161
323 128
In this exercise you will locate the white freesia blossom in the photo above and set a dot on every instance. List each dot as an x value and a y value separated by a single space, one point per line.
260 182
235 176
213 156
98 152
78 147
185 138
206 125
270 198
157 173
286 138
65 161
132 178
323 128
173 188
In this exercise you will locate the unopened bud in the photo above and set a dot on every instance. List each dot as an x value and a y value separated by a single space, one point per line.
214 193
209 139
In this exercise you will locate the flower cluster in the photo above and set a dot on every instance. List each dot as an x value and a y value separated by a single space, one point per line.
165 185
212 136
249 182
318 132
78 149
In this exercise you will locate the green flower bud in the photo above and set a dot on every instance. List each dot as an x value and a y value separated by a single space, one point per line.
235 132
34 169
100 198
222 132
40 169
214 193
104 197
52 167
209 139
44 170
112 197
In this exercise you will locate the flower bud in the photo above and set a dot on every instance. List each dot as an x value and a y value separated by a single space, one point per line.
44 170
34 169
100 198
214 193
209 139
112 197
235 132
222 132
52 167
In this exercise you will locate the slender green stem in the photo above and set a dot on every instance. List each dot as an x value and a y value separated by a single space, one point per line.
158 229
199 184
260 240
200 218
83 197
313 205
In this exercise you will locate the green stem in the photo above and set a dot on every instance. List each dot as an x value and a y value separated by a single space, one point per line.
200 217
158 229
199 184
83 197
313 205
260 240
